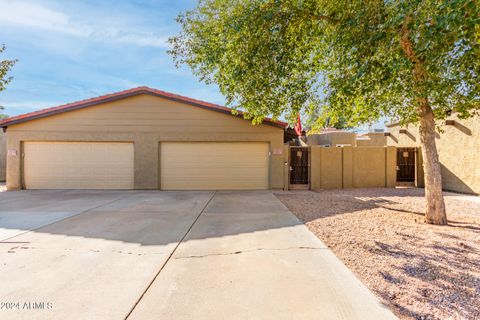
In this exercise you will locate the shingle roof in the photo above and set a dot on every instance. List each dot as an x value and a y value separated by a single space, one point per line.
121 95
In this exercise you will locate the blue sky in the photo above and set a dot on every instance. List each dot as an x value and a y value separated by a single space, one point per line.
72 50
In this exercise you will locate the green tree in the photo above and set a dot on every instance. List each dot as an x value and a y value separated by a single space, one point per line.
2 115
317 121
411 60
5 67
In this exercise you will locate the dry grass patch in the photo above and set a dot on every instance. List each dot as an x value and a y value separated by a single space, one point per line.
421 271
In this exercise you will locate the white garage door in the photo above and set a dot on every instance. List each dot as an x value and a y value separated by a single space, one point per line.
78 165
213 165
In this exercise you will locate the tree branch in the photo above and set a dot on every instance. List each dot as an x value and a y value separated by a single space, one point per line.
419 72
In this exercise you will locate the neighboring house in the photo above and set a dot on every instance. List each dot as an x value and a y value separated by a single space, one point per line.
3 155
142 139
458 149
333 137
371 139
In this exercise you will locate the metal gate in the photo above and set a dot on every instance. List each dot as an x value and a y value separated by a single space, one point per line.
299 167
406 164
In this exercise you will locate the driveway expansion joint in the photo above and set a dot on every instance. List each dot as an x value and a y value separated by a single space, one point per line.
170 256
248 251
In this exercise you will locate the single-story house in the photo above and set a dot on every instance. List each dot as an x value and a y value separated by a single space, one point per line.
458 150
142 138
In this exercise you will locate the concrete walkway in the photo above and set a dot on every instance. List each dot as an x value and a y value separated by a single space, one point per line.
169 255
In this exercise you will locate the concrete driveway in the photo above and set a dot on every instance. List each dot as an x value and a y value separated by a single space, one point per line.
168 255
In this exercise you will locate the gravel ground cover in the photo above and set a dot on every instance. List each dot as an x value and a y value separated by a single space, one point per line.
420 271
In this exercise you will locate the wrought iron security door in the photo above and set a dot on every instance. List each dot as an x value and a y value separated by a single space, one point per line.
406 164
299 167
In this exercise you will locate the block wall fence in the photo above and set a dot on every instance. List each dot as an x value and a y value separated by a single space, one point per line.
349 167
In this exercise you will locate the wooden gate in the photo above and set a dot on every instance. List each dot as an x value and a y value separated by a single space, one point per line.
299 167
406 164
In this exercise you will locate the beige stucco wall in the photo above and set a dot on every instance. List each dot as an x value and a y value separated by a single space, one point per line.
326 167
458 149
146 121
332 138
286 167
352 167
3 155
371 139
368 167
391 166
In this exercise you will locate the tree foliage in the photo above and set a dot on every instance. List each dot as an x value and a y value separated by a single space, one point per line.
317 121
356 59
5 67
2 115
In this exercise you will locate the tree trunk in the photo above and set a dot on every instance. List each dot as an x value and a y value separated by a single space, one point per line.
435 211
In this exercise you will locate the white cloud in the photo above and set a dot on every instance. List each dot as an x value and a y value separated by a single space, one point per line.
35 16
19 107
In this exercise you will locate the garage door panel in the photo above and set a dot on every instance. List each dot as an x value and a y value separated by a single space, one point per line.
213 165
78 165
